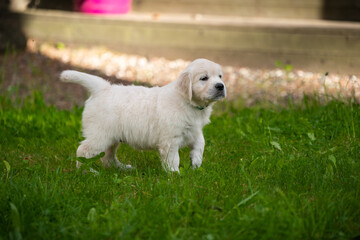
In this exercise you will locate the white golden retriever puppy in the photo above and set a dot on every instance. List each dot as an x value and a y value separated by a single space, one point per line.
164 118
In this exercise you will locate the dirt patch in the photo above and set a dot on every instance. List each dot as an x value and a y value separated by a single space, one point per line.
38 68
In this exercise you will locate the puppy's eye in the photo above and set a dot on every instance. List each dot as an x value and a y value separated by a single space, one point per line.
220 76
204 78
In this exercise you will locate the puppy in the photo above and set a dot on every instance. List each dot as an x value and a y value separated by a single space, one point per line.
165 118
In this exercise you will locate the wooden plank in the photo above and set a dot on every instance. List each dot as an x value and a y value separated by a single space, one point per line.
309 9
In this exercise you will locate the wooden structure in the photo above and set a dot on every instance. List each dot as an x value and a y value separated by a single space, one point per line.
212 29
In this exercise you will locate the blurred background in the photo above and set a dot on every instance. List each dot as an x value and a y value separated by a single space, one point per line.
270 49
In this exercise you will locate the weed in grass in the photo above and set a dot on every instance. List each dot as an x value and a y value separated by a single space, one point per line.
268 173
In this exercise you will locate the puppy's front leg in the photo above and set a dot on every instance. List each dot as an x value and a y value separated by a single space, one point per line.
197 150
170 159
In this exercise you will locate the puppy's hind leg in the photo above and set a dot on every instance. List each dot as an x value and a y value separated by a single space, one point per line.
110 159
90 148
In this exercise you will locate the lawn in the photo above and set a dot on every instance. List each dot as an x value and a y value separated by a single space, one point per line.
268 173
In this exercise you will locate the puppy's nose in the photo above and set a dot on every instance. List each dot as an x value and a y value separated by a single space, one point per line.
219 86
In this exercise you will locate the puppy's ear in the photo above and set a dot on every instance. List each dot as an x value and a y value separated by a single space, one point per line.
184 85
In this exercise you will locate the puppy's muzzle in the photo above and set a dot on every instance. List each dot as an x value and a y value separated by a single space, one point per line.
219 91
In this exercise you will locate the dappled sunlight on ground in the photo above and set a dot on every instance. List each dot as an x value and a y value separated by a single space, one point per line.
40 66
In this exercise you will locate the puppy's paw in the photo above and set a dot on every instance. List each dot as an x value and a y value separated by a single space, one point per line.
196 164
86 152
126 167
174 169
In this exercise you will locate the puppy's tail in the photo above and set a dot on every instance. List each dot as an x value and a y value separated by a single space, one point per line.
92 83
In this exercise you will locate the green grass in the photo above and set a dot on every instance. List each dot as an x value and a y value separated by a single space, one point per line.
268 173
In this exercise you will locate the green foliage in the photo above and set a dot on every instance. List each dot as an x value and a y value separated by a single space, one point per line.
267 174
60 45
285 67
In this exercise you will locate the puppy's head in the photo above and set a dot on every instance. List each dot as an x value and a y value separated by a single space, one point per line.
201 82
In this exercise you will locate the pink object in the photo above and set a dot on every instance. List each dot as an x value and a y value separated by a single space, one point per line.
103 6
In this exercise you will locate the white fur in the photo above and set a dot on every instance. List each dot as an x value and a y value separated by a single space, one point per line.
164 118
